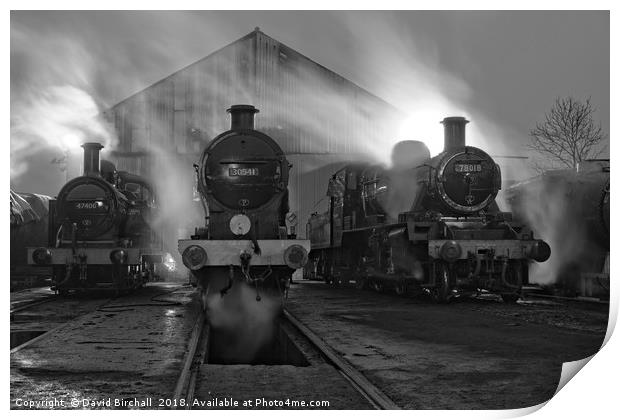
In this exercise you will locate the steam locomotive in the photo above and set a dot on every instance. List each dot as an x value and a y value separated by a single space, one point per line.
99 230
427 225
578 198
242 181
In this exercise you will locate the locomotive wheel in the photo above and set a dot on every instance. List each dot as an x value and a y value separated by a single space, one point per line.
441 292
568 279
513 282
377 286
360 282
400 287
203 299
342 281
510 297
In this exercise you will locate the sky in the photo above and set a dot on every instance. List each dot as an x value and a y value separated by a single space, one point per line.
500 69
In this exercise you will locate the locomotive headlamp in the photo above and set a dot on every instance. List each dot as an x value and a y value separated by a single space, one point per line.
194 257
118 256
240 224
41 256
540 251
450 251
295 256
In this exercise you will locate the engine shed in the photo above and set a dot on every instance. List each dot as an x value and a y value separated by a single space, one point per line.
320 119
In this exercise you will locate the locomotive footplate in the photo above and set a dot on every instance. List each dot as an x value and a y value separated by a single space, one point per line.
462 249
99 256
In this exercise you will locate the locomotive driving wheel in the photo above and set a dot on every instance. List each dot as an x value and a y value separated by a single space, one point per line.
343 278
443 277
513 282
377 285
204 291
400 287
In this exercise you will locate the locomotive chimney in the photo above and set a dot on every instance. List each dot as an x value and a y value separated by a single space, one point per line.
242 117
91 158
453 132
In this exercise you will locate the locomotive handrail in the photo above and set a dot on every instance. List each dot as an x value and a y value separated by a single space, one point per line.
228 162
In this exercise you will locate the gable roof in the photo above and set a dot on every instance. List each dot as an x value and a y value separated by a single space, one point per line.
252 34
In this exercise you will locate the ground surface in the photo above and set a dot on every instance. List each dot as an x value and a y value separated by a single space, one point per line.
465 355
129 348
478 354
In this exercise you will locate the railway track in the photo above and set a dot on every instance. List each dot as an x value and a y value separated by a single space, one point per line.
50 331
197 354
583 300
22 307
369 391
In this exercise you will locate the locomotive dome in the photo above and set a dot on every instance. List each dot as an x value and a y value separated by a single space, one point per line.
243 169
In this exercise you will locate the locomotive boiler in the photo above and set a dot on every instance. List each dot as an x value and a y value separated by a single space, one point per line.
242 179
100 236
426 224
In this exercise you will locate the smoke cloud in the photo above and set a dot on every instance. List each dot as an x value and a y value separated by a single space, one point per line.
430 64
59 117
52 105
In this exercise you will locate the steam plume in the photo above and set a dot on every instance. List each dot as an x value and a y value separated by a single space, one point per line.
245 324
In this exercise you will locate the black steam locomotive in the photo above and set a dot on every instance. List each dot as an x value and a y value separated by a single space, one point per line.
100 237
242 181
426 224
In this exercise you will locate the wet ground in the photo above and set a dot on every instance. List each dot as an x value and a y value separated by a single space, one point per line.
127 352
302 380
465 355
112 350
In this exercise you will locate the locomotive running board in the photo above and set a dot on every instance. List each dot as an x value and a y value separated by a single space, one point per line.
99 256
226 252
509 248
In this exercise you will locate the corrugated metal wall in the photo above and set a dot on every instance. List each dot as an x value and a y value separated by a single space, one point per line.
320 119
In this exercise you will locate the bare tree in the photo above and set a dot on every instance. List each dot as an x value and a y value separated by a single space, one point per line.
568 135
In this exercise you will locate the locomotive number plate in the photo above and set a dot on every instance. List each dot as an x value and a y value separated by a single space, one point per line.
243 171
467 167
89 205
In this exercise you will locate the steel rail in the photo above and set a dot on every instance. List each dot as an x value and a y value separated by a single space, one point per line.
20 308
187 378
56 328
373 394
567 299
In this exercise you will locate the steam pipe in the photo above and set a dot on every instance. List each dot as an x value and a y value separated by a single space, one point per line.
453 132
91 158
203 201
242 117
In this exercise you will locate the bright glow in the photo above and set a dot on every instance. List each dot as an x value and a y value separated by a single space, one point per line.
424 126
61 117
169 262
423 122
